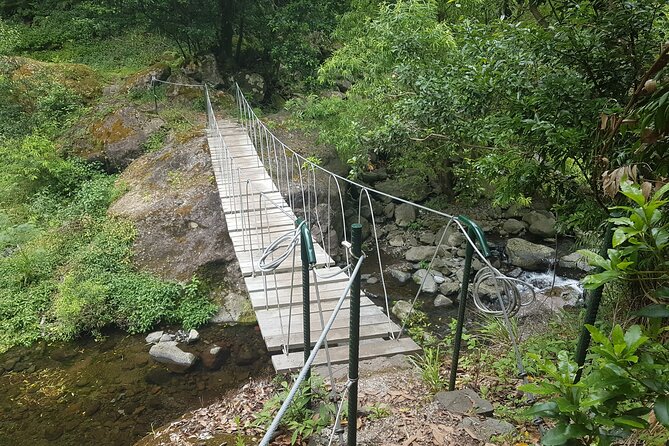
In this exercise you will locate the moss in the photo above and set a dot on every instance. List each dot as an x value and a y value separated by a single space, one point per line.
36 75
110 130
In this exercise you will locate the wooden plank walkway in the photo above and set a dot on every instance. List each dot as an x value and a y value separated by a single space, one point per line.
257 214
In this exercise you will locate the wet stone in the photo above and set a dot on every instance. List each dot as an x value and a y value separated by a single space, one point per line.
154 338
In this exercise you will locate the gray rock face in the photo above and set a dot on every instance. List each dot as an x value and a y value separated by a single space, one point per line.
401 276
529 256
485 429
513 226
409 188
389 210
449 288
420 253
154 338
166 337
234 307
396 241
404 214
465 401
429 284
401 309
118 139
542 223
442 301
169 353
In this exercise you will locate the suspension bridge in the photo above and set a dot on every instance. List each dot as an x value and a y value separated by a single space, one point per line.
277 202
251 166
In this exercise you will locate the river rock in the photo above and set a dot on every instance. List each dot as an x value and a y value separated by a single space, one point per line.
420 253
427 237
401 276
542 223
464 401
575 260
404 215
456 239
372 280
234 307
389 210
193 336
52 433
154 338
169 353
442 301
396 241
214 357
429 284
449 288
529 256
402 309
166 337
513 226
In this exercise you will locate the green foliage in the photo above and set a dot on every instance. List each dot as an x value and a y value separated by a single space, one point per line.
9 38
623 385
640 244
430 363
301 418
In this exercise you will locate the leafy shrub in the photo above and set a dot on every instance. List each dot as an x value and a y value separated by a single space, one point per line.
627 380
640 245
300 418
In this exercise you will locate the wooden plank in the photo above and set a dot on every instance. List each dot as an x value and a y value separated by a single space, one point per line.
368 349
341 321
249 267
259 301
283 280
325 305
335 335
268 320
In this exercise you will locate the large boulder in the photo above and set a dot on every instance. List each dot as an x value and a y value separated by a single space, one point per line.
575 261
530 256
409 188
181 230
168 353
405 214
513 226
143 80
541 223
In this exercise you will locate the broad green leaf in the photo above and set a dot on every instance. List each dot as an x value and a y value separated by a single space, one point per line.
661 410
542 409
633 192
660 192
617 335
597 335
594 259
630 421
540 388
593 281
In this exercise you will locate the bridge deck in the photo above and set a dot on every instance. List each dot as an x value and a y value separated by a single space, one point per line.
256 214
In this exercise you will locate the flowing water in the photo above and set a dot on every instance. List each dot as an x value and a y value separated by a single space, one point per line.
110 392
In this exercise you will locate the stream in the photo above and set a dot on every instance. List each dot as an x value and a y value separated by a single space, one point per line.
110 392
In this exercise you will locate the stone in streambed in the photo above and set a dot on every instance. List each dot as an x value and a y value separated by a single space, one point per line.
154 338
401 309
168 353
529 256
442 301
399 275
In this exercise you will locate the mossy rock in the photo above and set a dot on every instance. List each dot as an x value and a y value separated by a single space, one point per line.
38 76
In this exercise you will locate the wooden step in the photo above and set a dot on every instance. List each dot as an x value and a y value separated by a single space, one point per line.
372 348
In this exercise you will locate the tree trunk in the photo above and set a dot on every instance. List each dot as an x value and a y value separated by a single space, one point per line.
240 37
226 31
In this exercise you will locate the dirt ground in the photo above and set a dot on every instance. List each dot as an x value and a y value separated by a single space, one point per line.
409 416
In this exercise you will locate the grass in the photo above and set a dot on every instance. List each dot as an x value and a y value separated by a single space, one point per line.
115 57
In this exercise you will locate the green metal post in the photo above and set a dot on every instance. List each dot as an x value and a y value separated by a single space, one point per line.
308 258
594 301
469 254
354 340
